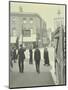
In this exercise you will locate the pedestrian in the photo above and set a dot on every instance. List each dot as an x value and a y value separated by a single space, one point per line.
46 57
31 56
14 54
11 57
37 58
21 58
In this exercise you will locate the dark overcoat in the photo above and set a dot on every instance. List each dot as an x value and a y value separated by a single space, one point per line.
14 53
46 57
21 54
30 53
37 55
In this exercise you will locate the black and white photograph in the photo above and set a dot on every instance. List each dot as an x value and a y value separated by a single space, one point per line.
37 44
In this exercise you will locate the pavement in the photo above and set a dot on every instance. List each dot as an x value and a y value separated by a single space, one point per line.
30 77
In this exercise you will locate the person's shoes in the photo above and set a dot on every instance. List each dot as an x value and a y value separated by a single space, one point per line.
22 72
31 63
12 65
38 71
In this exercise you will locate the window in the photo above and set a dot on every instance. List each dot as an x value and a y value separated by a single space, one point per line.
26 33
13 31
24 20
13 28
13 19
31 20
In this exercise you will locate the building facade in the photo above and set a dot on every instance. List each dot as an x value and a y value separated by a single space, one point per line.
59 44
28 29
58 41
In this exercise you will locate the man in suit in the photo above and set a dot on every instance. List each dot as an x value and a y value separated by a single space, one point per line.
21 58
37 58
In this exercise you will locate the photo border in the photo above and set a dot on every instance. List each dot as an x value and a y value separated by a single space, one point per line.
64 46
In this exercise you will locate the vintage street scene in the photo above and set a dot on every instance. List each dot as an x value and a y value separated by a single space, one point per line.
37 47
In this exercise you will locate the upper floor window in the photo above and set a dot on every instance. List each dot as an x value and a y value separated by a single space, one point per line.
13 18
13 31
31 20
24 20
26 33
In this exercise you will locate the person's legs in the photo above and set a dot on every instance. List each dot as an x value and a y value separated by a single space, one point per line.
48 62
19 66
11 63
38 66
31 60
14 60
44 62
22 66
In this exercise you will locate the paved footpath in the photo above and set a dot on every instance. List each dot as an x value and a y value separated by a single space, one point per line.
30 77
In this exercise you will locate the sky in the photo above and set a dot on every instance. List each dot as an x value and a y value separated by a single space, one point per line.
47 11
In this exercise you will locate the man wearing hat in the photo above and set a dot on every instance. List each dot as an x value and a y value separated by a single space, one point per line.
37 58
21 58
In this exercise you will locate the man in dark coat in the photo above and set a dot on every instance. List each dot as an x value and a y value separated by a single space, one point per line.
21 58
37 58
31 56
46 57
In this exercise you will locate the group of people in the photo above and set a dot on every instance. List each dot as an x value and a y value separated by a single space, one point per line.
21 58
13 56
